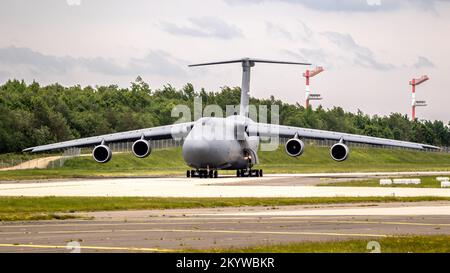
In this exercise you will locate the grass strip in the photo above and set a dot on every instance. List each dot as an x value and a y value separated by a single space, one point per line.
46 208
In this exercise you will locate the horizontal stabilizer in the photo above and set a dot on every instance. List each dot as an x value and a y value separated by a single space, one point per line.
251 61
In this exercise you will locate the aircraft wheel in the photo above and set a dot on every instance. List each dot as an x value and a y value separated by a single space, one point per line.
188 173
238 173
216 174
211 173
261 173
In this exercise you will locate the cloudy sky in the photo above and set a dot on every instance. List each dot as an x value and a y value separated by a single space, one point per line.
369 48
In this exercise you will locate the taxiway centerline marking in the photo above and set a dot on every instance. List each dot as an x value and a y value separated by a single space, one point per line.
216 231
302 220
90 247
382 223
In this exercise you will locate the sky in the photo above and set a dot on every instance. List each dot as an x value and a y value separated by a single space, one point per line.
370 49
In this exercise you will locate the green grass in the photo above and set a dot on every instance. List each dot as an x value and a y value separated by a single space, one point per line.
36 216
427 182
23 156
25 208
315 159
397 244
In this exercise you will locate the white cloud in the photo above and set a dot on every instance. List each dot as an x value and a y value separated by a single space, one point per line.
156 62
351 5
423 62
204 27
104 42
360 55
275 31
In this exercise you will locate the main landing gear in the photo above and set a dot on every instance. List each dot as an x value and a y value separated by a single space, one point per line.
202 173
249 173
214 173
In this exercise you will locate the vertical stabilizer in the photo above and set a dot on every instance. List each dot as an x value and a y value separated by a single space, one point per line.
247 64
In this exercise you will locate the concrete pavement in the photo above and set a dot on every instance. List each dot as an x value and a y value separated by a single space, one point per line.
268 186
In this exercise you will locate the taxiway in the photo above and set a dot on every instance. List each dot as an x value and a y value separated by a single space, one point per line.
173 230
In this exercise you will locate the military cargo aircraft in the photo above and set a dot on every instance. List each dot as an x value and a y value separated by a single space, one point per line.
231 143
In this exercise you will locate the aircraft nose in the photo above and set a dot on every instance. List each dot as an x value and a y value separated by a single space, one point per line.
196 152
201 148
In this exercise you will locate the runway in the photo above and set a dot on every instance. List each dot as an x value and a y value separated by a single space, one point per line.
172 230
269 186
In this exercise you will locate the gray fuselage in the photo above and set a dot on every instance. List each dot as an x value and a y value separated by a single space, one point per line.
220 143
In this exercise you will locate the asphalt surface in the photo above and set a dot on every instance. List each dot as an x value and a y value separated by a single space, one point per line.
169 230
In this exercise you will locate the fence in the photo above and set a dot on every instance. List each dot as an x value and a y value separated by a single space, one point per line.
329 143
171 143
55 161
123 147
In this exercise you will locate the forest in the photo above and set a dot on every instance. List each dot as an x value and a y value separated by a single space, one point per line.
32 114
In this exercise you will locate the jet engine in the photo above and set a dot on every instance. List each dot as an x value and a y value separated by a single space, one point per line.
102 153
141 148
294 147
339 152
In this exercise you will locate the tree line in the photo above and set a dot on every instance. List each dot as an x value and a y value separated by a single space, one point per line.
35 115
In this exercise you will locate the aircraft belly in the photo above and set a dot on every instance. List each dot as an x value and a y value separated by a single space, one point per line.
214 154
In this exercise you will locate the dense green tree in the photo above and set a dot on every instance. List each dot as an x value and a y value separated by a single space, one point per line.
33 114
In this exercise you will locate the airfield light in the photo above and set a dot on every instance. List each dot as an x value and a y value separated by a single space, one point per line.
417 103
309 74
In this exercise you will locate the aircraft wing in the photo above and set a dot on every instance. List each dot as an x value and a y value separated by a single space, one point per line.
264 129
161 132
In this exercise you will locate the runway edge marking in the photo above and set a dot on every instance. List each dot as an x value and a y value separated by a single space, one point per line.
90 247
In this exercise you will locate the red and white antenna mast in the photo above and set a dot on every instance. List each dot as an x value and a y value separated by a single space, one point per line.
415 103
309 74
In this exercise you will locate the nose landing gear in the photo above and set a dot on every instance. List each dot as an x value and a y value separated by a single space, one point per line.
202 173
249 173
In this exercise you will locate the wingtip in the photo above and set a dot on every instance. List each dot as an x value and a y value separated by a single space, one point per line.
426 146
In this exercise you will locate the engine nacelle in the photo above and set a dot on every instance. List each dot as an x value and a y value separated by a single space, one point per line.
102 153
141 148
339 152
294 147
